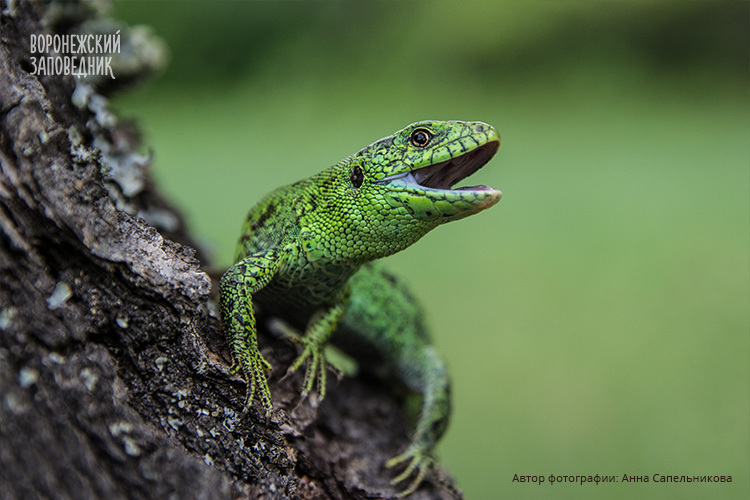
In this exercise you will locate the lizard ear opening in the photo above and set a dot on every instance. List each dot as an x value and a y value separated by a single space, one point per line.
357 177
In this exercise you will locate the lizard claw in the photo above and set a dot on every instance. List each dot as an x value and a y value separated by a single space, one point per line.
254 368
419 464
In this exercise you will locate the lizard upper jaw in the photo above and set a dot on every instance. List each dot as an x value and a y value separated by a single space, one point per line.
445 174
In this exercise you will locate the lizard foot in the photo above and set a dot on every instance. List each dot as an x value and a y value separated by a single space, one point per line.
314 357
419 464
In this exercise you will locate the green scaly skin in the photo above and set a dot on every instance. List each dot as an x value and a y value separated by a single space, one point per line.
304 256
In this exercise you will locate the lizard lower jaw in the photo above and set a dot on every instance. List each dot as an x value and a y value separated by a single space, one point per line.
409 182
443 205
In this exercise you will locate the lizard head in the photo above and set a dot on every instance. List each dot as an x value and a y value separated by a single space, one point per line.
403 185
417 167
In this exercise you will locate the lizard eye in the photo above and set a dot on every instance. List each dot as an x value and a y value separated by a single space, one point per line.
357 177
420 137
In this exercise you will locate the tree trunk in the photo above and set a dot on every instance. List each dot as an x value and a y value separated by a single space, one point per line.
114 379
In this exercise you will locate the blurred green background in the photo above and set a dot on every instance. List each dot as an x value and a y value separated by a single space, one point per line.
597 320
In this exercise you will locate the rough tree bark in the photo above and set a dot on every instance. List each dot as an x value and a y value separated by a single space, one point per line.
113 372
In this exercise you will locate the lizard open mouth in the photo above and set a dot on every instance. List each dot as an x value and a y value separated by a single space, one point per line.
445 174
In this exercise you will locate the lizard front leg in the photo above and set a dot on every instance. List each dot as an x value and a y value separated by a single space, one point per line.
236 288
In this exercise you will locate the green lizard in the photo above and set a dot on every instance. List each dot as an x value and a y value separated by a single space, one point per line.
304 255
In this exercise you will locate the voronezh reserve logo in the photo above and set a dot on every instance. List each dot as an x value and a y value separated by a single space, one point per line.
77 55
